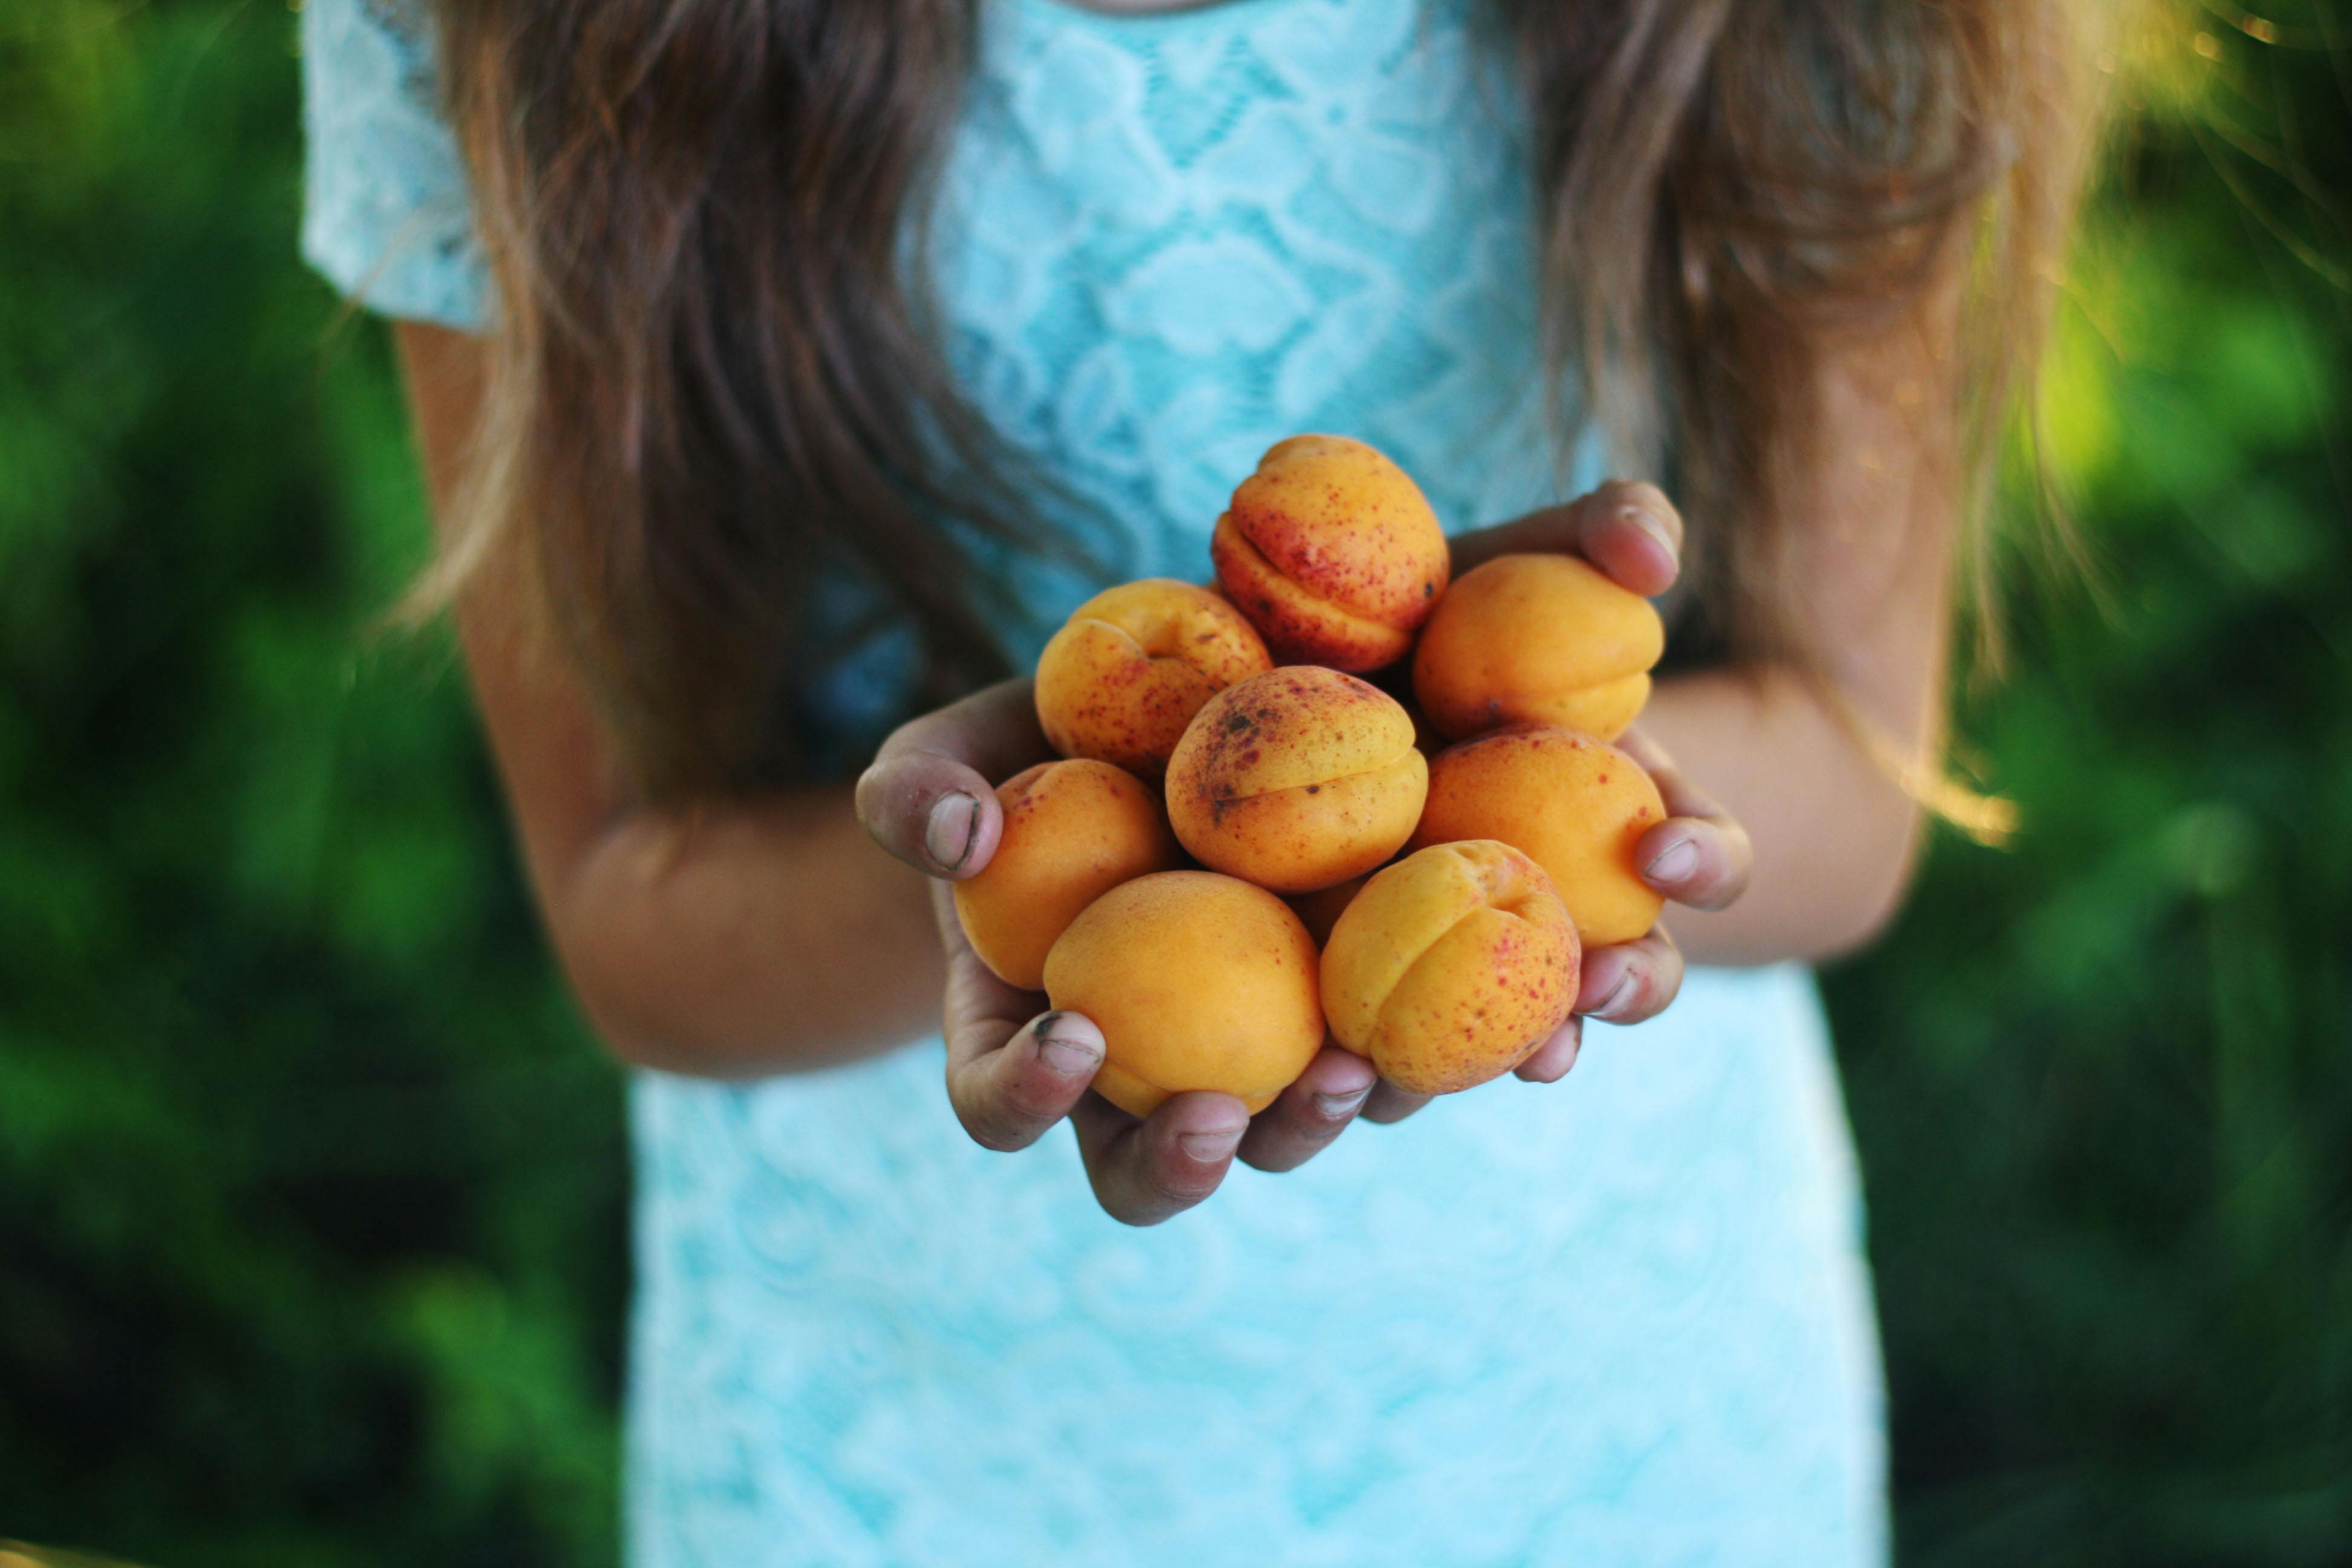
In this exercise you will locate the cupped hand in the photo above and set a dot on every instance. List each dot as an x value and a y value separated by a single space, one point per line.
1014 1071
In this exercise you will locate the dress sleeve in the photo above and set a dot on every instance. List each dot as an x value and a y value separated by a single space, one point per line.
387 217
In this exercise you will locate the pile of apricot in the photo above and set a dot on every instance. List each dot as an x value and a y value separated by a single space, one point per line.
1246 848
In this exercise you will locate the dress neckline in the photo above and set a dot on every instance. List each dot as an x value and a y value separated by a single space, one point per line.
1215 13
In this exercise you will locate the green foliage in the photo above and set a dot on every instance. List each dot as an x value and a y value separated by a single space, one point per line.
311 1187
2101 1081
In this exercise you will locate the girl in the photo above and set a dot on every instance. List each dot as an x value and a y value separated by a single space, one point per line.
782 367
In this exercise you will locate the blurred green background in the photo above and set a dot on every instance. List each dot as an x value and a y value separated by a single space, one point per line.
312 1190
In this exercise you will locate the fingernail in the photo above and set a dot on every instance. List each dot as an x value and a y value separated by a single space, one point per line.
1070 1055
1210 1147
1621 996
1674 862
1334 1106
953 830
1655 527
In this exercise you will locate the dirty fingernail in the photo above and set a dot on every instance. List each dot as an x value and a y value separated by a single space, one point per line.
952 830
1065 1049
1619 997
1674 862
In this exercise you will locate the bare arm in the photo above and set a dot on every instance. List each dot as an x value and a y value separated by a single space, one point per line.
1835 836
752 939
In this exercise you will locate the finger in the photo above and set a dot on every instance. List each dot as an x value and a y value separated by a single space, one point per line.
1550 1062
1148 1171
1007 1096
1696 862
929 797
1009 1079
1311 1112
1629 529
1388 1104
1700 855
1632 980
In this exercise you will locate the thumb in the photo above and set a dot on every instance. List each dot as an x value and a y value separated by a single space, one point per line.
934 813
928 798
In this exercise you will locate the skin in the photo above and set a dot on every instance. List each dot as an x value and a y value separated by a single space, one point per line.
747 939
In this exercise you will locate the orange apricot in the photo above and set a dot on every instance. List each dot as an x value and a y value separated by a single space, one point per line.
1332 552
1541 639
1297 779
1198 981
1072 831
1575 805
1450 966
1124 676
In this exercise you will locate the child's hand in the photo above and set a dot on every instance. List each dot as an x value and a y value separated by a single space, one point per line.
1012 1071
1698 856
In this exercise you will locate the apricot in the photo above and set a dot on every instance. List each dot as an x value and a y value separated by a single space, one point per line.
1072 831
1575 805
1197 981
1124 676
1297 779
1541 639
1450 966
1332 552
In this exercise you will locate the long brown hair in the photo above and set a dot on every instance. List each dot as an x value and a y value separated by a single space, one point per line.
714 368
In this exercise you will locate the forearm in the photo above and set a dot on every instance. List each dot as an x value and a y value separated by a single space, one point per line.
747 941
728 940
1835 833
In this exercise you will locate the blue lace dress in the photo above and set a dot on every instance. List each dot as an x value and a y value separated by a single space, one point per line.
1619 1320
